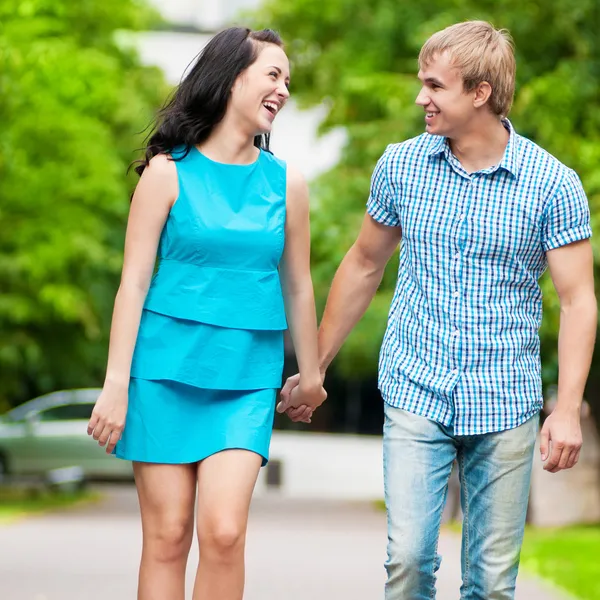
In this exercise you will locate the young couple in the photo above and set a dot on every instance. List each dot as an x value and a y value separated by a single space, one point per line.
196 352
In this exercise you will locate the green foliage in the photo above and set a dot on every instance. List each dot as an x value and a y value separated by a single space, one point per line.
72 103
359 57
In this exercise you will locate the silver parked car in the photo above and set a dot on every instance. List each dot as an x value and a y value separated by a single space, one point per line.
50 432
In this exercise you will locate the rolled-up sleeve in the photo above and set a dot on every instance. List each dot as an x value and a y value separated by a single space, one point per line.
567 215
382 204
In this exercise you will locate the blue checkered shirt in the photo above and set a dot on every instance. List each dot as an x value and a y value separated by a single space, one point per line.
462 345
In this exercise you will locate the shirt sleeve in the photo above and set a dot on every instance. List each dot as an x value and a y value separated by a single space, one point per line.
382 204
567 216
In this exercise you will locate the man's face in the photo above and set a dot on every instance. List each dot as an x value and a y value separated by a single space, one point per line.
448 108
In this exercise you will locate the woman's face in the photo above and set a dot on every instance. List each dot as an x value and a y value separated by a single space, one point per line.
261 91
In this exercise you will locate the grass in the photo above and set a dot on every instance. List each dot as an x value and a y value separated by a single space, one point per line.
568 557
18 503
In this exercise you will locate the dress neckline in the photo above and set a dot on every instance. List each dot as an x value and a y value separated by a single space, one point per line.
234 165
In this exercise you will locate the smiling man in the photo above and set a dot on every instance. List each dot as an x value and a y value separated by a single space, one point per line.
480 213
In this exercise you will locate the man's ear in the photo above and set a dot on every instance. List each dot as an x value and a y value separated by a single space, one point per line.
482 94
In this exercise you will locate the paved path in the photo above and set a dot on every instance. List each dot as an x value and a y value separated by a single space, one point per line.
327 551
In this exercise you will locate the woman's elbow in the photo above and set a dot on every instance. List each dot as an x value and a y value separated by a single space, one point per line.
133 286
299 287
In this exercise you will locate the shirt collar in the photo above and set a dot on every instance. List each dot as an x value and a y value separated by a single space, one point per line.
438 145
509 161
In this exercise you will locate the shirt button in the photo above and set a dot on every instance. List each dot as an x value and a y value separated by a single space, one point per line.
455 372
455 332
456 294
457 256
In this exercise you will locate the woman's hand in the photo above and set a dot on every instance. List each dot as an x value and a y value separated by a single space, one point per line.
299 401
311 395
108 417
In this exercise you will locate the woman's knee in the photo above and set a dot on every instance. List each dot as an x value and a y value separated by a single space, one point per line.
169 540
221 538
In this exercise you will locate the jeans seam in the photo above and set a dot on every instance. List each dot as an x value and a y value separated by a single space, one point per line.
437 543
465 521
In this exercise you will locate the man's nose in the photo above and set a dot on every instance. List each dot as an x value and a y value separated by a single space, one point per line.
423 98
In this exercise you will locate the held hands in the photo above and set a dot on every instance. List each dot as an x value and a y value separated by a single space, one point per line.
299 402
108 416
561 439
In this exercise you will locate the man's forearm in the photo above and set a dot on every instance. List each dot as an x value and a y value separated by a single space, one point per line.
354 286
578 322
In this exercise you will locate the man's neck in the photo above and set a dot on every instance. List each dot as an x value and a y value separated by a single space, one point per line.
482 147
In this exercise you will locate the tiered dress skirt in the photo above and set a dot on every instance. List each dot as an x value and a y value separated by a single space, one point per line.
197 388
174 423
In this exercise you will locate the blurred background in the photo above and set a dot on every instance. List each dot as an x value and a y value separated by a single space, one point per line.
80 82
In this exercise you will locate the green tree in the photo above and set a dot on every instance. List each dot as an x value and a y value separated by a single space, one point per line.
72 103
359 58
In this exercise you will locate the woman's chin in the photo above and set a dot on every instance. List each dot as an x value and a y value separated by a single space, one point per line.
264 129
265 125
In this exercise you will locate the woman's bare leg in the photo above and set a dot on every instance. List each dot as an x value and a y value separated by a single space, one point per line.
167 495
225 484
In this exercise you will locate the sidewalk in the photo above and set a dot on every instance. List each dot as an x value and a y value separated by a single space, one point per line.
296 551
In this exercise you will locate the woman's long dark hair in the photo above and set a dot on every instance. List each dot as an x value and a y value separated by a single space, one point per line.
200 101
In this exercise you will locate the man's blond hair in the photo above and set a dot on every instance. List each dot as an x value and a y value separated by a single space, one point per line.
481 53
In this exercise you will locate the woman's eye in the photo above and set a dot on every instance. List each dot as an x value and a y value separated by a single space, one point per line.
274 74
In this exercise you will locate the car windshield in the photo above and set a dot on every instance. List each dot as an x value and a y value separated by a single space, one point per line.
55 399
67 412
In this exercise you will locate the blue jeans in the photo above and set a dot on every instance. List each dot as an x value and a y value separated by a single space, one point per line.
495 475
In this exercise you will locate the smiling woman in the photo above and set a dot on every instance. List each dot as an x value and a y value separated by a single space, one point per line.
196 351
201 101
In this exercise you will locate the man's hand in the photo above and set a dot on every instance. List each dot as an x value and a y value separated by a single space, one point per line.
561 432
302 413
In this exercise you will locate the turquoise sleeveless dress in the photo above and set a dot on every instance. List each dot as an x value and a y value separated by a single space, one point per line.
209 354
